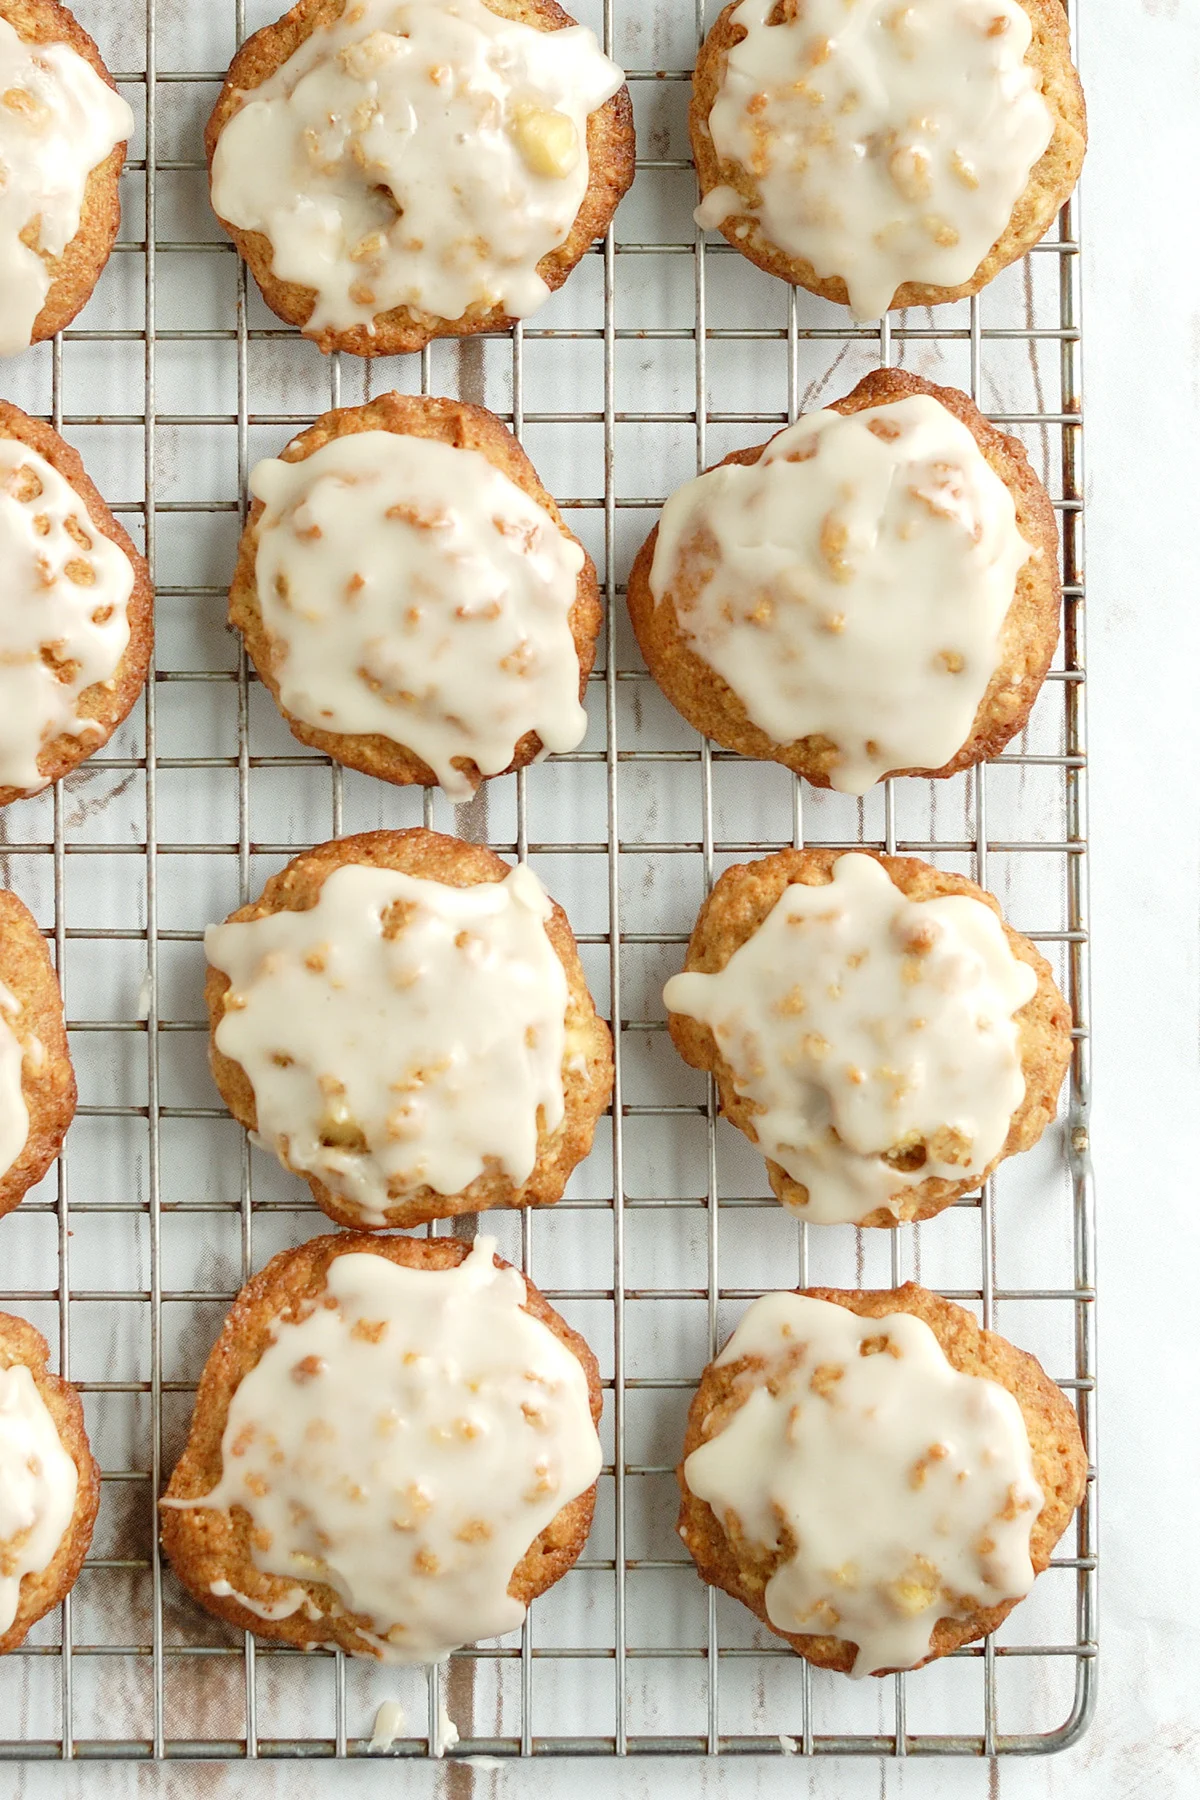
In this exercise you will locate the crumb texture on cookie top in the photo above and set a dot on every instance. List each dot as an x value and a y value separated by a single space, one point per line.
38 1486
882 143
404 1441
424 154
410 589
890 1489
58 121
65 624
14 1114
871 1035
401 1033
851 584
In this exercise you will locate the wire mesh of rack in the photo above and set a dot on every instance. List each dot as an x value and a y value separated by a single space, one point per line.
675 351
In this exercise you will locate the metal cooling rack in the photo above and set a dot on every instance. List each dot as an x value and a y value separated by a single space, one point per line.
675 350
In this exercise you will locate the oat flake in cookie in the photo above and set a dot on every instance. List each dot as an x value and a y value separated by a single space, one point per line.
416 157
63 130
886 152
417 608
415 1044
875 1476
871 1043
75 613
394 1450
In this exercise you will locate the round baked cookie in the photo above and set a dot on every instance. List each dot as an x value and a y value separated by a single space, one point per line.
395 171
886 156
394 1450
403 1018
49 1483
63 133
898 1482
873 592
37 1082
874 1027
410 594
77 616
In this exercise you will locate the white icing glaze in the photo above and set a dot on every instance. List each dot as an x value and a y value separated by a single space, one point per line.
384 1063
64 624
14 1114
889 139
58 121
294 1601
389 1725
415 592
405 1442
906 1488
418 153
38 1483
447 1732
858 1022
862 569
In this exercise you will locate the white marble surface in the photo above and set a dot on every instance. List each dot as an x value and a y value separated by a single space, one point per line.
1142 64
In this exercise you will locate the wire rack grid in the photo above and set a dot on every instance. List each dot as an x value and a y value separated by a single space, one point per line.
130 1252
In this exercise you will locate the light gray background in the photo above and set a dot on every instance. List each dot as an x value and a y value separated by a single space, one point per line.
1141 61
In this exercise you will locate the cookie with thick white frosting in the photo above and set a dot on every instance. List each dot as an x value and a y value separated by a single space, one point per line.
873 592
874 1476
49 1483
403 1019
76 614
394 1450
37 1082
399 170
886 153
874 1026
63 135
410 594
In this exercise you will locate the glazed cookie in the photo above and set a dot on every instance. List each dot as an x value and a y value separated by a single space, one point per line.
394 1450
49 1484
886 155
874 1027
76 623
395 171
874 1476
873 592
37 1082
403 1019
408 591
63 131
